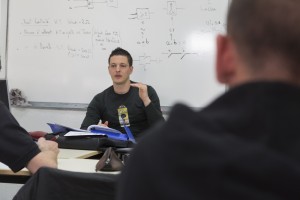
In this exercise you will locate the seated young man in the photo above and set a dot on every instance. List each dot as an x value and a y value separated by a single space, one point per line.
135 104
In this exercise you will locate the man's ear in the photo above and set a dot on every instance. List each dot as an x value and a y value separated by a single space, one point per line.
131 69
225 60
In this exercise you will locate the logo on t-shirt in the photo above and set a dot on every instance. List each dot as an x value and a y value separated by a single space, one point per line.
123 116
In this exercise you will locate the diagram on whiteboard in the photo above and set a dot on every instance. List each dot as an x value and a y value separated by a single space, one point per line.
176 46
146 60
181 55
90 4
172 8
142 15
71 40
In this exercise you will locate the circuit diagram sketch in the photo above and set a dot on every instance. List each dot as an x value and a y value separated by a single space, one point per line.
172 8
146 60
141 14
181 55
174 43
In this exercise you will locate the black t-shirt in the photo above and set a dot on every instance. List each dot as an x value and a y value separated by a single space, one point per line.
108 106
16 146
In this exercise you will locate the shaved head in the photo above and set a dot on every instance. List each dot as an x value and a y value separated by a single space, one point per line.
266 30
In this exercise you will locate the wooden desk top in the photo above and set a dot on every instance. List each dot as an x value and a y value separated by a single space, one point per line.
74 153
71 164
68 159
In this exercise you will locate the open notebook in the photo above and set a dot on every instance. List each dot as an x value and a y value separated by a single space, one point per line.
93 130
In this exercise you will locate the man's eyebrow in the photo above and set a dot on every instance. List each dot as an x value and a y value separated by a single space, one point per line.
120 63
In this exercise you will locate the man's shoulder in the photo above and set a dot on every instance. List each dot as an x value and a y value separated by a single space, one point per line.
181 117
106 91
148 86
100 97
180 128
181 110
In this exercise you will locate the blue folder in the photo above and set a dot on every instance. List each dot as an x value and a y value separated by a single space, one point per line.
109 132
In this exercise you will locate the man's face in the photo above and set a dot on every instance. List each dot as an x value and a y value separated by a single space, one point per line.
119 69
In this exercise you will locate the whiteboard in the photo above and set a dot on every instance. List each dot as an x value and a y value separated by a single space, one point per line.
3 28
58 49
2 73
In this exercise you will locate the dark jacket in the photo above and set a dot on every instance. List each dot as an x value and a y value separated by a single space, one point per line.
244 145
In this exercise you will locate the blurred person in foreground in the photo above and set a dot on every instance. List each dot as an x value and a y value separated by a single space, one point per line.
17 148
246 143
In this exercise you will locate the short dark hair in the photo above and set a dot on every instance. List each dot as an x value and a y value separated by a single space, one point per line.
262 29
121 52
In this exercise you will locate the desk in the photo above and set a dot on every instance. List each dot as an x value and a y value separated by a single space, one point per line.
71 164
74 153
68 159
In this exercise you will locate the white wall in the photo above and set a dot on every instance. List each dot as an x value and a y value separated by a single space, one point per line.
37 119
3 29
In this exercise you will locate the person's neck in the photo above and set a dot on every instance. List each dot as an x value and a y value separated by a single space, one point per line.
122 88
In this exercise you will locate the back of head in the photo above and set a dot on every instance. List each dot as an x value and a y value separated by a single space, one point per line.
267 33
